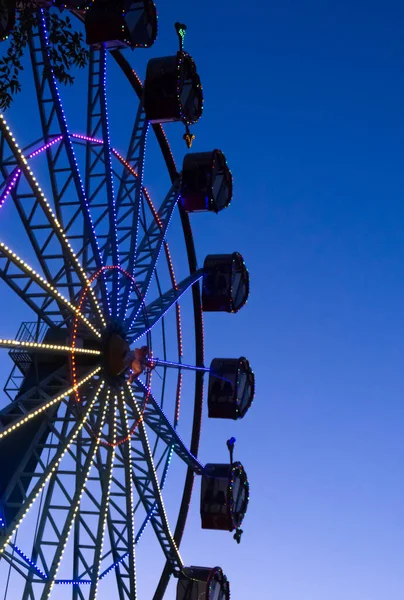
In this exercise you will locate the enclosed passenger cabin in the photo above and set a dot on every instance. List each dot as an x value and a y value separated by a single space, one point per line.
225 283
172 90
207 183
121 24
195 583
224 496
231 388
7 18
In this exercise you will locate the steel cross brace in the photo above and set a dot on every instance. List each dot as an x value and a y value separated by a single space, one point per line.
152 314
149 250
129 199
156 419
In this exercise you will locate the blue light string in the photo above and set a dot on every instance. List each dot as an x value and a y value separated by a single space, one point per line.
73 581
109 178
70 150
29 561
114 565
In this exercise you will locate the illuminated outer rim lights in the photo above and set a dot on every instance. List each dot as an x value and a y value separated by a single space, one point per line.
12 178
75 350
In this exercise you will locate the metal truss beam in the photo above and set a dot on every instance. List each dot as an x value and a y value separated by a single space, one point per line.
99 172
152 314
129 199
149 250
155 418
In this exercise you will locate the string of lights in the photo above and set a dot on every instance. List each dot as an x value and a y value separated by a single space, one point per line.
42 29
47 347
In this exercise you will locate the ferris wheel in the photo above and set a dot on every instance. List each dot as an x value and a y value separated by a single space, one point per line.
94 396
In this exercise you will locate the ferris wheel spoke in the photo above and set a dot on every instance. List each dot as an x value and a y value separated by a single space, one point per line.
147 485
45 232
155 418
168 455
74 504
99 172
121 518
130 189
106 481
130 196
148 252
87 522
152 314
47 348
40 295
68 190
48 517
43 474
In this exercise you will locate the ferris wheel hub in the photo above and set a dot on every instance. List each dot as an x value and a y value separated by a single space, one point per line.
116 352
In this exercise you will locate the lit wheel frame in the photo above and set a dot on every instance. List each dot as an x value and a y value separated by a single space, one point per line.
104 426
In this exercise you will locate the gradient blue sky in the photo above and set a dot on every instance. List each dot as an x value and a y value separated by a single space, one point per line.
306 100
